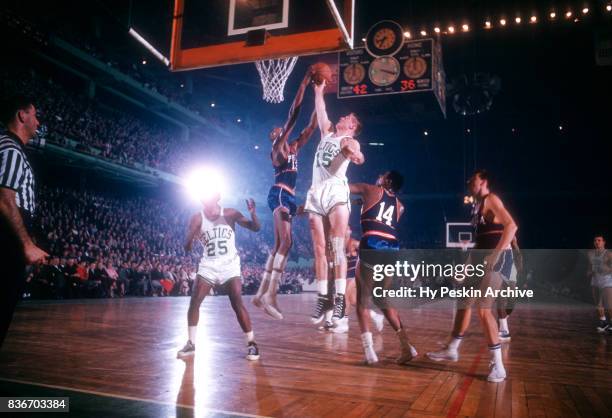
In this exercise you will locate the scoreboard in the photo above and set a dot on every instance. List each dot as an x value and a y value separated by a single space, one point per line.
409 70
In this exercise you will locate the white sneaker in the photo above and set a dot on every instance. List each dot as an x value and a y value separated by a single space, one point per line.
444 355
341 327
497 373
271 307
378 319
370 355
407 355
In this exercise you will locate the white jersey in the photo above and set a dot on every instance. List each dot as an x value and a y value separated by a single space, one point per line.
329 162
598 260
219 242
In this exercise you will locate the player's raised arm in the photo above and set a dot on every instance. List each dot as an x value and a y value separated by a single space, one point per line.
194 226
352 150
307 131
500 212
324 123
294 111
252 224
358 188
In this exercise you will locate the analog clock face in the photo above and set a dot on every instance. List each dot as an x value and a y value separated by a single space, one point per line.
354 73
384 71
384 38
415 67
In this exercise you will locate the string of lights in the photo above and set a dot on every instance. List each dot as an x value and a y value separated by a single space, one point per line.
553 15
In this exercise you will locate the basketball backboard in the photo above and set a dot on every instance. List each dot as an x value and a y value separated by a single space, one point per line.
214 33
459 235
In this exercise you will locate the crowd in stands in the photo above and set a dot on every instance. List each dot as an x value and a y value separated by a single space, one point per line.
104 246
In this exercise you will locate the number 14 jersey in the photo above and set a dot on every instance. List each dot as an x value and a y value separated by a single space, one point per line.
381 218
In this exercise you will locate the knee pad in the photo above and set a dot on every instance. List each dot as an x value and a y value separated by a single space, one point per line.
280 261
337 244
270 262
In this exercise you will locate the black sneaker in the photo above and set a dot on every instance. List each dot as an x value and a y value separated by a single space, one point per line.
602 326
323 304
339 308
187 351
252 351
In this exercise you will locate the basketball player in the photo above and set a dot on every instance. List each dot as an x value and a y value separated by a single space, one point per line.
380 215
281 200
505 306
495 230
219 265
328 197
600 271
352 257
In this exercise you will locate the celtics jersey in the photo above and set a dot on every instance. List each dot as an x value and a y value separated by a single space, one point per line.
329 162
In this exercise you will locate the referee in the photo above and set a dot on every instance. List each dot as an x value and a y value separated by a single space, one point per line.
17 204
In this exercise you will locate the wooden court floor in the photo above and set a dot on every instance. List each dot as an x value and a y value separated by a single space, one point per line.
125 350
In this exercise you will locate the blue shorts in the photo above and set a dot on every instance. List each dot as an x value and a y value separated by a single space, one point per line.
279 197
373 242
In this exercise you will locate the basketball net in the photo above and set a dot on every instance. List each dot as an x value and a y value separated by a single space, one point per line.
464 245
274 74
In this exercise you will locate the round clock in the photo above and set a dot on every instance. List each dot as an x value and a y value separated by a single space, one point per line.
384 71
354 73
384 38
415 67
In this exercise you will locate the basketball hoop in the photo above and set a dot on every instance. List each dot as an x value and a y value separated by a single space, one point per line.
464 244
274 74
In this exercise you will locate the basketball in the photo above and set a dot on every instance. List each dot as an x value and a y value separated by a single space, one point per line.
321 71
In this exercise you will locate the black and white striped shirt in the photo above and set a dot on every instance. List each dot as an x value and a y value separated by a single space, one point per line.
16 172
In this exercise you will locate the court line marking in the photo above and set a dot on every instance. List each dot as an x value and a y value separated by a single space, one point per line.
129 398
454 409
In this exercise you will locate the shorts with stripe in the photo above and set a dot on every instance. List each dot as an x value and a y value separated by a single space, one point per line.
278 197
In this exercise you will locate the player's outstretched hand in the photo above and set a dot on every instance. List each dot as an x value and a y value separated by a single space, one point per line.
250 202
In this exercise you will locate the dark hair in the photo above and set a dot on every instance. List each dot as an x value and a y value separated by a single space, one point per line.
483 174
600 235
396 179
13 104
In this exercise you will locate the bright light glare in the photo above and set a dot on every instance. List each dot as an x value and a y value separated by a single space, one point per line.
204 183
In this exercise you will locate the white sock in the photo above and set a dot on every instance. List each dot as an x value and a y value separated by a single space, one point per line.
249 336
503 325
265 277
274 282
322 287
373 314
602 318
191 331
454 343
496 354
366 339
340 286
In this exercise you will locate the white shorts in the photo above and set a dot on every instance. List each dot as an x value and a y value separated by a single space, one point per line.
601 281
218 274
322 198
513 274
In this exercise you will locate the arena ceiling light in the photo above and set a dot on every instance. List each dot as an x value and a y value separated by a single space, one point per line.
149 47
204 183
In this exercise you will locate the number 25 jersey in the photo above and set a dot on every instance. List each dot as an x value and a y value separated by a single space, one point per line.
218 239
